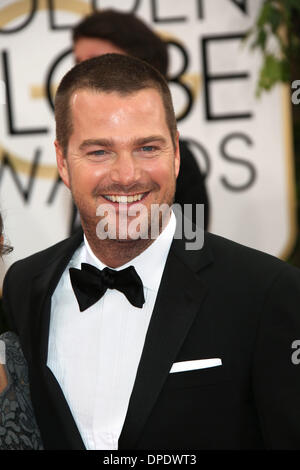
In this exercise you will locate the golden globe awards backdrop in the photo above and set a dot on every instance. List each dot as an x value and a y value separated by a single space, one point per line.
242 144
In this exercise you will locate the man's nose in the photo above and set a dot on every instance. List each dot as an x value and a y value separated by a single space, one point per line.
125 170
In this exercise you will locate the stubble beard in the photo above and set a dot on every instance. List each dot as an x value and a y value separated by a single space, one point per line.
117 251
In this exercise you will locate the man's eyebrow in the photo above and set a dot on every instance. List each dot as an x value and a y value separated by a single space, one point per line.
109 142
152 138
96 142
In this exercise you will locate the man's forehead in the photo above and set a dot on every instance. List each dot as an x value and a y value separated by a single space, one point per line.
85 95
142 116
114 107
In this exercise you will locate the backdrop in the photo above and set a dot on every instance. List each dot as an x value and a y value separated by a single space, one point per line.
242 144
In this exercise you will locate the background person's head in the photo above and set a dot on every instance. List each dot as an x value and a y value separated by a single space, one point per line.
111 31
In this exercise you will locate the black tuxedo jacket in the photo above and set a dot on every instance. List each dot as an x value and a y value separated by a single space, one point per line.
224 301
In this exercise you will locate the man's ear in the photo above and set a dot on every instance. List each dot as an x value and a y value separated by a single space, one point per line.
177 155
62 165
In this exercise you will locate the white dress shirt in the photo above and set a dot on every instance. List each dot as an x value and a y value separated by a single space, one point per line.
95 354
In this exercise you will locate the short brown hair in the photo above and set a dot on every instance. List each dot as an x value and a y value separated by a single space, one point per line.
109 73
127 32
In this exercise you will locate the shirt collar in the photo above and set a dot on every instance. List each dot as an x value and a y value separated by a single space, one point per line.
150 263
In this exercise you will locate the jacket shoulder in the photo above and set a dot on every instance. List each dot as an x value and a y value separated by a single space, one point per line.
32 264
246 259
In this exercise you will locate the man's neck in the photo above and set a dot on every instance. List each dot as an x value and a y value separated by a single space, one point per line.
116 253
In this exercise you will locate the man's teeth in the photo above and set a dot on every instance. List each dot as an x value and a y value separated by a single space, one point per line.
126 199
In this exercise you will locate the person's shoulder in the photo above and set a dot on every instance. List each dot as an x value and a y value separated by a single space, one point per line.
34 262
242 257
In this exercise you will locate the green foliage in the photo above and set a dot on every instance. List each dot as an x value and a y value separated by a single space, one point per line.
273 71
274 36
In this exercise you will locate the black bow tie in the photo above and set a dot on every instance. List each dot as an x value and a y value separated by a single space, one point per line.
90 284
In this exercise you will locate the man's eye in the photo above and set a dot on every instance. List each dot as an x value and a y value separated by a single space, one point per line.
97 152
148 148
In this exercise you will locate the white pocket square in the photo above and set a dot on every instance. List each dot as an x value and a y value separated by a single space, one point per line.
194 365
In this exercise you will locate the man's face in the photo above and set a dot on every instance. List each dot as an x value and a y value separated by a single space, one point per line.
120 146
87 48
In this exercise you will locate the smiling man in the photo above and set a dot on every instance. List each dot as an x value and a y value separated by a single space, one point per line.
123 152
137 342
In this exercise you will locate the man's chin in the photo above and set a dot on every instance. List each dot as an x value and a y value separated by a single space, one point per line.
128 240
124 239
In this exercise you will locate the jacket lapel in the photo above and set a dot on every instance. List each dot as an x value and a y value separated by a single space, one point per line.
59 415
179 299
44 285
